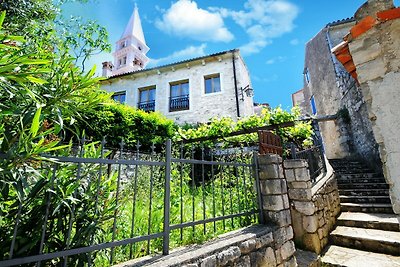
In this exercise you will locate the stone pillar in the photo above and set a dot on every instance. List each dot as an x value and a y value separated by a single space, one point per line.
276 209
313 210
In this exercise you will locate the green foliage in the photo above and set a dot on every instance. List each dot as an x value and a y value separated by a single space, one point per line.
39 92
301 133
117 121
54 190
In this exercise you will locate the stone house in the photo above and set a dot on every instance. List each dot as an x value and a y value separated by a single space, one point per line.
188 91
328 89
352 69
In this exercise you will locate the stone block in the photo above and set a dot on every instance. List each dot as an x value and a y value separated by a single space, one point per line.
292 262
273 171
298 228
247 246
229 255
192 265
307 208
279 218
299 185
289 175
273 187
295 163
312 242
264 240
371 70
263 258
269 159
310 223
287 250
210 261
283 234
274 202
286 204
300 194
244 261
302 174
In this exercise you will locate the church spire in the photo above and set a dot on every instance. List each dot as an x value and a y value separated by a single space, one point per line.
130 51
134 26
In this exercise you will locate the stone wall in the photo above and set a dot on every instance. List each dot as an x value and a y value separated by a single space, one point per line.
314 207
267 245
334 89
376 56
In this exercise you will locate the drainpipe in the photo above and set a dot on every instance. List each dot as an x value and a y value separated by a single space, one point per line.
235 82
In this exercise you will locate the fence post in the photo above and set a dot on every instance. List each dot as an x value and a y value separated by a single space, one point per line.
167 194
293 151
259 197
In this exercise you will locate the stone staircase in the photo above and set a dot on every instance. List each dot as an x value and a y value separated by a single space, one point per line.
367 231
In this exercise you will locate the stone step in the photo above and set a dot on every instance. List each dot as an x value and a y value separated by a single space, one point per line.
341 256
358 175
380 241
357 186
380 221
364 192
364 199
359 180
367 207
352 170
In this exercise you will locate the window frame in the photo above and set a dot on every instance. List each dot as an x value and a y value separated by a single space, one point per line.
183 98
313 105
117 96
307 75
212 77
147 105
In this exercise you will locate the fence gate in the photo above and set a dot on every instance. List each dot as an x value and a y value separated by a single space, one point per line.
269 143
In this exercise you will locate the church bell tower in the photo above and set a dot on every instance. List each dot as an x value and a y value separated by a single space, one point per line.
131 49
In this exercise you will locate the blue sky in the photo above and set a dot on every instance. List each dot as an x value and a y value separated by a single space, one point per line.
271 34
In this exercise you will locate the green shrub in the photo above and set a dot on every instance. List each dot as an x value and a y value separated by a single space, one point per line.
117 121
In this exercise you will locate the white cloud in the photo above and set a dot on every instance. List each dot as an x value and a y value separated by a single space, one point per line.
185 19
294 42
274 60
263 20
187 53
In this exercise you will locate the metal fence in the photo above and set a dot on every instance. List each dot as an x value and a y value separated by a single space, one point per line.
315 159
93 209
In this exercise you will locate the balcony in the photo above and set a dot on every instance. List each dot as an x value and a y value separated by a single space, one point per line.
147 106
178 103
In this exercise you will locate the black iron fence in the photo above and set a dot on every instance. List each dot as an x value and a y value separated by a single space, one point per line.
315 159
94 209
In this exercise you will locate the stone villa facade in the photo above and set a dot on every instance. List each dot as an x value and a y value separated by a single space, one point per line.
189 91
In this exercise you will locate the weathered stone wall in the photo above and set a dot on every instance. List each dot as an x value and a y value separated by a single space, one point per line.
314 207
334 89
267 245
376 55
322 85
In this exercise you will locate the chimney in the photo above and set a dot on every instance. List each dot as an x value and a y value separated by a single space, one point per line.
371 7
107 68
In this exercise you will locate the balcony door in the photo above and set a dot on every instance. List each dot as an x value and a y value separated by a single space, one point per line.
147 98
179 96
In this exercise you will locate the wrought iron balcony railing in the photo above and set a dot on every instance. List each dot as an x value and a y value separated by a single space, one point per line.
147 105
179 103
